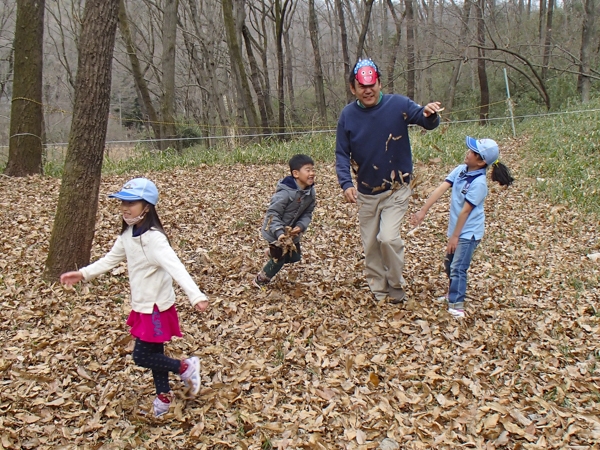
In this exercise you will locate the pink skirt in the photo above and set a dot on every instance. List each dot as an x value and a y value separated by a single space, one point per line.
155 327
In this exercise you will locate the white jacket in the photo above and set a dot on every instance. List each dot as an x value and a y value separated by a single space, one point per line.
152 265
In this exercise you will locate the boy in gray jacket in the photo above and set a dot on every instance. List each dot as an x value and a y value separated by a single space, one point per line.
291 207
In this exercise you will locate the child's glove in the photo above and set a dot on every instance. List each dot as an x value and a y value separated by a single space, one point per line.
275 251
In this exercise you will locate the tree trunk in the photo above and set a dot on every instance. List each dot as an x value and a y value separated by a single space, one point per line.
345 54
265 66
136 69
280 11
313 27
395 45
237 63
255 79
484 101
541 21
73 230
547 41
9 72
365 27
289 75
410 49
25 144
584 82
429 7
456 70
167 109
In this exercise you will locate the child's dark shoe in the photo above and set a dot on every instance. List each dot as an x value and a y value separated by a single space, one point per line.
261 280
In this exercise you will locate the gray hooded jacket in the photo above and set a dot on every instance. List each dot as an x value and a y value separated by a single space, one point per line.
289 206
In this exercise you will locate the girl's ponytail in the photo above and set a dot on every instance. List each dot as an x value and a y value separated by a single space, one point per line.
501 174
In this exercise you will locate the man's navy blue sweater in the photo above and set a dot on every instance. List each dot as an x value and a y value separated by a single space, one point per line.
376 139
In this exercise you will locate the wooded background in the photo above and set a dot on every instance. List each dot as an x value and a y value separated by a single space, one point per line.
198 68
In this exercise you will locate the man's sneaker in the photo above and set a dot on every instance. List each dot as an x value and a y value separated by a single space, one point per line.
397 295
160 407
458 313
191 376
261 280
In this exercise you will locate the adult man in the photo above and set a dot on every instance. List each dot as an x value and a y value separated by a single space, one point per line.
372 137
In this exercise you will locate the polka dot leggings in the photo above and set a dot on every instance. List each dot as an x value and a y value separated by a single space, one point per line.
152 356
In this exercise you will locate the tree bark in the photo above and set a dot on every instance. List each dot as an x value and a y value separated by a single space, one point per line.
584 82
289 75
313 27
410 49
280 12
25 145
541 21
206 68
345 55
456 70
169 38
136 69
484 99
263 49
547 40
73 230
261 96
365 27
395 45
9 73
237 63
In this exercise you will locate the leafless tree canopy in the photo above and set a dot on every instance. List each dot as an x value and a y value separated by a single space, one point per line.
265 66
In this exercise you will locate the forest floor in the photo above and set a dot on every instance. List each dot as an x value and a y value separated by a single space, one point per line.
312 361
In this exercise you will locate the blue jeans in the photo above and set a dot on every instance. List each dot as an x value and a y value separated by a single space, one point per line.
456 265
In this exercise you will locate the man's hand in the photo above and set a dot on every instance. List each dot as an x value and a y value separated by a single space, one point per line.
296 231
432 108
351 195
201 306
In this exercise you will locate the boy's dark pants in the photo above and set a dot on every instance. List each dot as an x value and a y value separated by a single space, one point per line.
274 265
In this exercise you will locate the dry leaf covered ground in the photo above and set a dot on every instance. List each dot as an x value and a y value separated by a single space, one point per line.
312 362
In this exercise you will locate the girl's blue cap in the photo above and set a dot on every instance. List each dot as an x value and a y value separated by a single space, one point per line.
486 148
138 189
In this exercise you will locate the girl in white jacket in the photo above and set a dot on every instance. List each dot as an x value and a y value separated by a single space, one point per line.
152 265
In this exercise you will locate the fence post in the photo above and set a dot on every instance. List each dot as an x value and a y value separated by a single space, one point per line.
509 101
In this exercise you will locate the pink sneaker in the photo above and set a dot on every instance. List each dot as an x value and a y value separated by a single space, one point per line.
191 376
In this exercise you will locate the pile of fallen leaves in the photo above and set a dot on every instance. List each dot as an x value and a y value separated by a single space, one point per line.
312 361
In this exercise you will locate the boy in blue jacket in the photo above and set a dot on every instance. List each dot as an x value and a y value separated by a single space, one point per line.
288 216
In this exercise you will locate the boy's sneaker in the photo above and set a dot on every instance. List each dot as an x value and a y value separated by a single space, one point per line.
160 406
458 313
261 280
191 376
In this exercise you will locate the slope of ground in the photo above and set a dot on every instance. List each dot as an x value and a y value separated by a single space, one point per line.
313 361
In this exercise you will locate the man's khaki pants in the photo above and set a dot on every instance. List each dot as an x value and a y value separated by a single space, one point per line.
380 217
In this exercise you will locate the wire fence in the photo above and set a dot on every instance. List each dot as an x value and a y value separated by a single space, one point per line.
129 147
